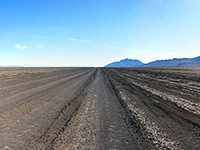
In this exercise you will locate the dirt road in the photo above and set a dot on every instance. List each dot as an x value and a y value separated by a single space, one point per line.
164 102
34 110
100 124
89 108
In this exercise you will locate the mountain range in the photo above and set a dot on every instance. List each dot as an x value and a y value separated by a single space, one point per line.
182 62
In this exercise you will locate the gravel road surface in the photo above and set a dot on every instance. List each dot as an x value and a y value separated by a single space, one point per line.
99 108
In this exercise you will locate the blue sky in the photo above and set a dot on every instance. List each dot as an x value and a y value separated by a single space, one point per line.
97 32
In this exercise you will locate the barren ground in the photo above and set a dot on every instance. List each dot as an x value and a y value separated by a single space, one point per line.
103 108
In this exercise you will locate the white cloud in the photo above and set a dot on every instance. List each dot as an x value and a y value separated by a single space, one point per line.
78 40
21 47
40 46
110 47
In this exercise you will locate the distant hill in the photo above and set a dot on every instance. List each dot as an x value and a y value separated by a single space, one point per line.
183 62
126 63
26 65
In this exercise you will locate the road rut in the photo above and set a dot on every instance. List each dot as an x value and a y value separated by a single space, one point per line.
99 123
99 108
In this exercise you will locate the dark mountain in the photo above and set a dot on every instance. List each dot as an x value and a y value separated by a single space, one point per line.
126 63
183 62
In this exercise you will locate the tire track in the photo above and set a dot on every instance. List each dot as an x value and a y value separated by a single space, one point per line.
182 103
99 123
29 92
36 121
176 123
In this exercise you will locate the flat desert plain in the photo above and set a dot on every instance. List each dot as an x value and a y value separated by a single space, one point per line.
99 108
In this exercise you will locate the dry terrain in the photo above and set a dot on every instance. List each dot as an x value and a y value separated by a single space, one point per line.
99 108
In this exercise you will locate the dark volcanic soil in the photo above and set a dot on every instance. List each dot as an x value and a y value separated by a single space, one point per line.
105 108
